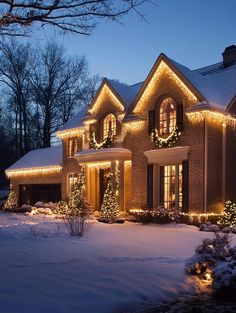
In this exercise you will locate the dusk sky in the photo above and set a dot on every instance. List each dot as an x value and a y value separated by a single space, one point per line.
193 33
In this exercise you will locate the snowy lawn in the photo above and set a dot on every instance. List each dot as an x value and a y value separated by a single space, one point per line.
43 269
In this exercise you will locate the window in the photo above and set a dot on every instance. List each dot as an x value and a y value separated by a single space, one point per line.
72 147
167 116
72 179
109 125
171 186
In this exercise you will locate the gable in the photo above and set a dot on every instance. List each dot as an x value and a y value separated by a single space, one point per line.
106 95
163 68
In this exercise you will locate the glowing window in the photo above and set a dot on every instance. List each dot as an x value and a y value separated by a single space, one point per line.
172 186
109 125
72 146
72 179
167 116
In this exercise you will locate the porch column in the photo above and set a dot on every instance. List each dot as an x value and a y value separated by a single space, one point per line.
87 183
122 186
113 172
156 185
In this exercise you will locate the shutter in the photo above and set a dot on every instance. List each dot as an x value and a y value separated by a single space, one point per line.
161 185
180 116
185 173
150 186
152 121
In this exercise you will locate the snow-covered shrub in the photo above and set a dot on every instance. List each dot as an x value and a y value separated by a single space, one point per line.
208 254
209 227
26 208
224 279
11 203
39 204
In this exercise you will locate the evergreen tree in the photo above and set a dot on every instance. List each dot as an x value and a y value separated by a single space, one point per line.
109 208
11 202
76 199
228 218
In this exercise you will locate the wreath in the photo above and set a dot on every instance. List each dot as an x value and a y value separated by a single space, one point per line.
106 143
165 142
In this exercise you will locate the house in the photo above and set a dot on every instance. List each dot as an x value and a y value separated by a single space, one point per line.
168 141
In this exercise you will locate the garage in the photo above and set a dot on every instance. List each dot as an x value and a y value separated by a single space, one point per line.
30 194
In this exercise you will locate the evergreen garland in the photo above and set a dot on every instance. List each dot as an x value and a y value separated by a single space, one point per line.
109 208
228 218
107 142
11 202
165 142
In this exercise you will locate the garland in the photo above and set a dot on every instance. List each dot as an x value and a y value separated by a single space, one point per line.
165 142
106 143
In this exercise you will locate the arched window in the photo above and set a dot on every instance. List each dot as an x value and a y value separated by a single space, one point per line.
167 116
109 124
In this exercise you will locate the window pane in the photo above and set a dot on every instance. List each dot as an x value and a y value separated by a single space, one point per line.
167 116
109 124
72 179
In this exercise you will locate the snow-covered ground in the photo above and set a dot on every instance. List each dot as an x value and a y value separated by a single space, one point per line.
43 269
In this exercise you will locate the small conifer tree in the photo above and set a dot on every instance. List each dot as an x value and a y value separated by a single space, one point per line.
11 202
109 208
76 199
228 218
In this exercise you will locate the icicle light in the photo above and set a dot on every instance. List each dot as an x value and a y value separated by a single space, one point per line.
215 117
34 171
106 94
69 133
162 70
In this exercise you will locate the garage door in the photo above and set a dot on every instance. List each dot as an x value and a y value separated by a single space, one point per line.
30 194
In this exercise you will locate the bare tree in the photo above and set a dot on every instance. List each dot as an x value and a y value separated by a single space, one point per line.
16 60
57 84
77 16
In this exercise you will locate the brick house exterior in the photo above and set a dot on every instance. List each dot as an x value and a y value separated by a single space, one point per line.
193 173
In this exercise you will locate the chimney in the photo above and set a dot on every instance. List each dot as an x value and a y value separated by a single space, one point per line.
229 55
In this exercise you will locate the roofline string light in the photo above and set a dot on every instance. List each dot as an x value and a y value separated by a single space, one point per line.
215 117
163 69
34 171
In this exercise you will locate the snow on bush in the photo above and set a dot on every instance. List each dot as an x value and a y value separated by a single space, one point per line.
215 260
208 254
209 227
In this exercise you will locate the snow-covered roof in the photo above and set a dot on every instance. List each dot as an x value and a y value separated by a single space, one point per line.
126 92
75 121
39 158
215 83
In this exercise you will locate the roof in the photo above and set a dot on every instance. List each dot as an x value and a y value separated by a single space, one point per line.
75 121
39 158
126 92
215 84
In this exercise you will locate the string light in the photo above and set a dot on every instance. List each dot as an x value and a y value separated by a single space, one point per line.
134 126
215 117
162 70
68 133
105 94
34 171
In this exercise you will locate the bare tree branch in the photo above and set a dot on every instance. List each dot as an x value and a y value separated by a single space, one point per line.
77 16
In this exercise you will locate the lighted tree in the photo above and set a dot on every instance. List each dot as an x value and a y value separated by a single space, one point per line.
228 218
109 208
76 199
11 202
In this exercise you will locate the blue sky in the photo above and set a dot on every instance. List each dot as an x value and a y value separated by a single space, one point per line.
193 33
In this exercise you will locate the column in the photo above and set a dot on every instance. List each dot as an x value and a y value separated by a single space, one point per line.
121 199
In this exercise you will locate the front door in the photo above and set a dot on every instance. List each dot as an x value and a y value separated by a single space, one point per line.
103 177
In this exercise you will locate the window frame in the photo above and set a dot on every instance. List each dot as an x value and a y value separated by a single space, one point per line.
72 149
69 185
112 128
169 126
